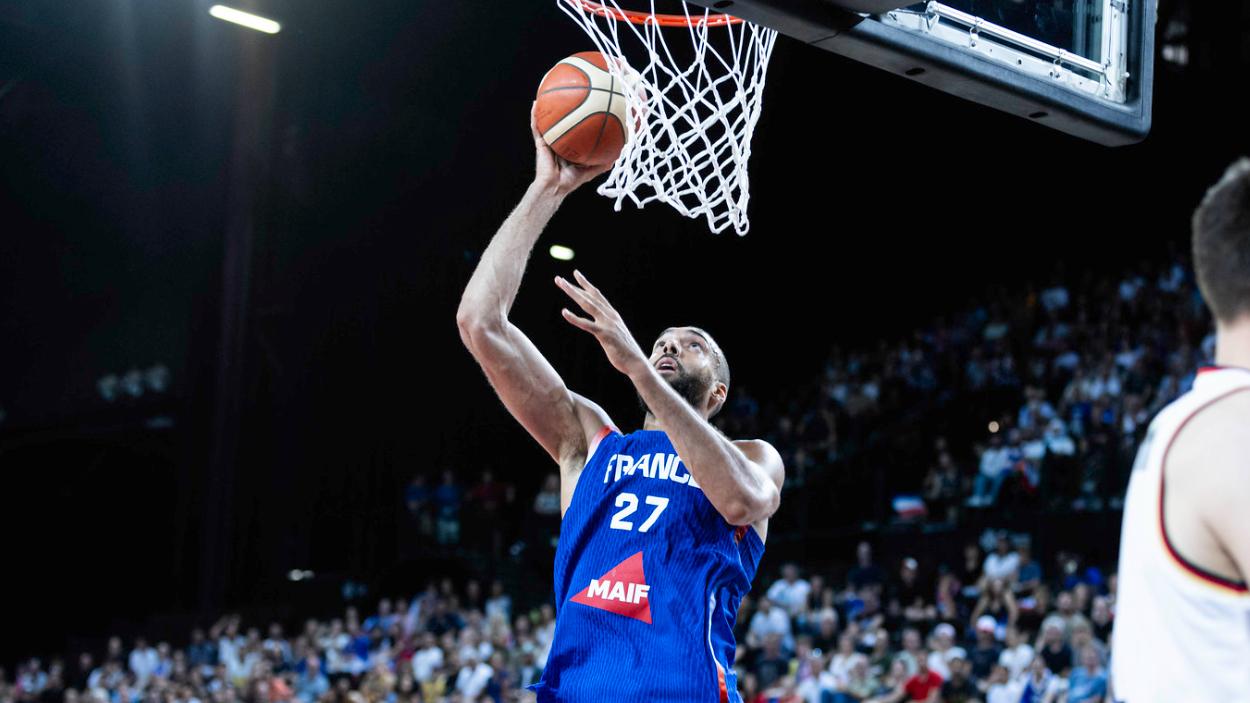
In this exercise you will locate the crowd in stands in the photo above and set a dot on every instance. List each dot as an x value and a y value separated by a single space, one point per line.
996 629
436 510
1087 363
446 644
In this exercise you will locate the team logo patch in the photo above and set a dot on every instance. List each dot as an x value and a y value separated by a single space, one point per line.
623 590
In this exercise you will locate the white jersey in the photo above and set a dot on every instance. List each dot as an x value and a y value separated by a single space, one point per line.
1181 634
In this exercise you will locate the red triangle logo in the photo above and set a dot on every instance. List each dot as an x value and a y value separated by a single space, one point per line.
623 591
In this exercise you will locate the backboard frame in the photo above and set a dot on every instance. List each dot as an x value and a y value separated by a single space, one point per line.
991 67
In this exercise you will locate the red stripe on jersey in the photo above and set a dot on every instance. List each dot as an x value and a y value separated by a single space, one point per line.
1213 369
599 437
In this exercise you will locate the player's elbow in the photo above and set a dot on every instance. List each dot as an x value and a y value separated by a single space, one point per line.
474 325
749 509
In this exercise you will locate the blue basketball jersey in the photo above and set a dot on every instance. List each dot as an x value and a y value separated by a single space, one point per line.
648 578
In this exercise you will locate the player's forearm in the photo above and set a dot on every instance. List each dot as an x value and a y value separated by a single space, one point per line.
493 287
725 474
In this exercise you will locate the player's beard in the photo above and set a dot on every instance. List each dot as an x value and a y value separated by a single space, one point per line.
688 386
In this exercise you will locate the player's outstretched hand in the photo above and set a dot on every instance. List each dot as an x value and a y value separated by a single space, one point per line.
605 324
554 173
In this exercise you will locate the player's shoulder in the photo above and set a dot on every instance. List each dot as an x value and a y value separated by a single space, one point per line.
1211 440
1221 421
590 414
593 423
1211 411
1204 406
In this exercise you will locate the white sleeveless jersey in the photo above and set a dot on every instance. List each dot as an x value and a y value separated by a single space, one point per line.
1181 634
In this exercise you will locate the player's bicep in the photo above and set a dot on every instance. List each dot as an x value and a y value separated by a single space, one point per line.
529 388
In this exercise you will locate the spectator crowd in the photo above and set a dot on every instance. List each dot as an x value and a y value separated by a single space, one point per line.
997 628
443 645
991 629
1066 378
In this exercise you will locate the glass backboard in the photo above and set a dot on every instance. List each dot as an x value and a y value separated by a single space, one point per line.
1085 67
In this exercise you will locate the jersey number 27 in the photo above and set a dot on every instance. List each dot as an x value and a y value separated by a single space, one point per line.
628 504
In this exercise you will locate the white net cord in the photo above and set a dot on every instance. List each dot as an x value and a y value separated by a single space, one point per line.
691 114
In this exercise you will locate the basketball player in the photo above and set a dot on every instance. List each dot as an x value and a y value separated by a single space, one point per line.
663 528
1182 623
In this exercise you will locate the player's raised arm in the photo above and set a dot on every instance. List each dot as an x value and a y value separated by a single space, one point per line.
525 381
741 479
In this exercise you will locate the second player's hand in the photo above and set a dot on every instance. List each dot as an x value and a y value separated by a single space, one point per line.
605 324
554 174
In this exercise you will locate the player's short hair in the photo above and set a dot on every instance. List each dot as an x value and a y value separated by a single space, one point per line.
1221 229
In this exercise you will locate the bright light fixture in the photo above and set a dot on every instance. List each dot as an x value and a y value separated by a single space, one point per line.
560 253
245 19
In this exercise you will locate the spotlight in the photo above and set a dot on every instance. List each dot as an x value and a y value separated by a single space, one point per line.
994 427
245 19
561 253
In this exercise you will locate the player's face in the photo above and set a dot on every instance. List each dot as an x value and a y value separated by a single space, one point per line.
683 357
681 350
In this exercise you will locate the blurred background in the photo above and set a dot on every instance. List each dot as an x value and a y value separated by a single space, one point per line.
231 384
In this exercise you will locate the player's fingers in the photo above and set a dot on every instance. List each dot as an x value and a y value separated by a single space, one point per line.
534 121
585 283
578 322
580 297
594 293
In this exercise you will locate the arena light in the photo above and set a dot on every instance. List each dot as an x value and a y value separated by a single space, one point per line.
994 427
561 253
245 19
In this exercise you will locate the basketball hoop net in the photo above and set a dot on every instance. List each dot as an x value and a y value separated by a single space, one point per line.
692 117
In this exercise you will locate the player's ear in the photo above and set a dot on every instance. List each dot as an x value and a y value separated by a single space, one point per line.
717 400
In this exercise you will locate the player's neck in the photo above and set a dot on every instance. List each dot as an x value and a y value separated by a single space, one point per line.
651 422
1232 343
